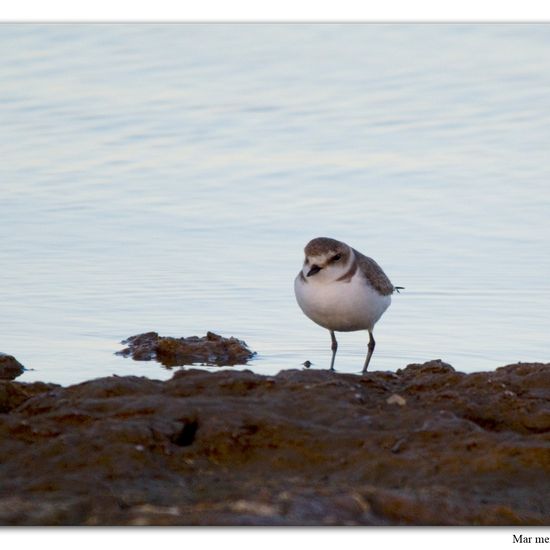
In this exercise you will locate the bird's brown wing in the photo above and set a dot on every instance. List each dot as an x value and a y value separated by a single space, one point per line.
374 274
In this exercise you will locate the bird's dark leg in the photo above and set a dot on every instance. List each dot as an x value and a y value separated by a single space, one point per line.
333 347
372 343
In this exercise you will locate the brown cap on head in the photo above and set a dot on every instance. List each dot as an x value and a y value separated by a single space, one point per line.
323 245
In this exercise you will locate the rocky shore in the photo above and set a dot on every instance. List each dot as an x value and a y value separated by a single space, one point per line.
10 367
423 446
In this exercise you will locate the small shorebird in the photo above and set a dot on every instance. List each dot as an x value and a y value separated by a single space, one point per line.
342 290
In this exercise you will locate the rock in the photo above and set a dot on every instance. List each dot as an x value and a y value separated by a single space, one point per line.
396 399
13 394
10 367
304 447
211 349
435 366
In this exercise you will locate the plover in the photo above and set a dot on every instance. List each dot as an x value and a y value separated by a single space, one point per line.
342 290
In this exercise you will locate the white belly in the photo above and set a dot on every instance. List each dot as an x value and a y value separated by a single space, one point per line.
341 306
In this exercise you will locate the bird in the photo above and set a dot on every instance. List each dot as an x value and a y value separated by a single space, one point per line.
342 290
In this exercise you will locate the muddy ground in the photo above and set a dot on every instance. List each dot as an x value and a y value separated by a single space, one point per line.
423 446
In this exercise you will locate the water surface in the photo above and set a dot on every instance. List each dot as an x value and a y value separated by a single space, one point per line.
167 177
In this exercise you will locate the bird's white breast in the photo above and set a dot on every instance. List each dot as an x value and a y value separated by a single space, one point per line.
339 305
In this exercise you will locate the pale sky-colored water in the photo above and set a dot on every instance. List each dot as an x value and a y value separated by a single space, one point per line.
167 177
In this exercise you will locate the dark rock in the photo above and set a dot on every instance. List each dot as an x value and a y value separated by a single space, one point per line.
13 394
211 349
10 367
300 448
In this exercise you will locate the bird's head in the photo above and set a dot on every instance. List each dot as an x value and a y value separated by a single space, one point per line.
326 259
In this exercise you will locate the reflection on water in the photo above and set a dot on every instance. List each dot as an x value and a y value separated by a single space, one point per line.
167 177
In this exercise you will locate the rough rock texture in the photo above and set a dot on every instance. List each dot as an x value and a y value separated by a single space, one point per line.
423 446
211 349
10 367
14 394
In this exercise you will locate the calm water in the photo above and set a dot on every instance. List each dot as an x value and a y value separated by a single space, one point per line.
167 177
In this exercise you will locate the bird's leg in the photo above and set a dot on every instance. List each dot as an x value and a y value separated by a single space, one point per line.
372 343
333 347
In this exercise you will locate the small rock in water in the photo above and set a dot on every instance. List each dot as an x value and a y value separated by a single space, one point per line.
307 364
211 349
10 367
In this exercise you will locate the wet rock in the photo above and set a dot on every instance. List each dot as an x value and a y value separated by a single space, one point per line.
211 349
13 394
10 367
15 510
304 447
396 399
435 366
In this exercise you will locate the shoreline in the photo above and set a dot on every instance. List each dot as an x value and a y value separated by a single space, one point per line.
425 445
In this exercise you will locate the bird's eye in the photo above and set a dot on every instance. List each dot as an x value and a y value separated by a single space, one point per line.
336 258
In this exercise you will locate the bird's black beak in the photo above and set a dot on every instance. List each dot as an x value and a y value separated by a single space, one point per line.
314 269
